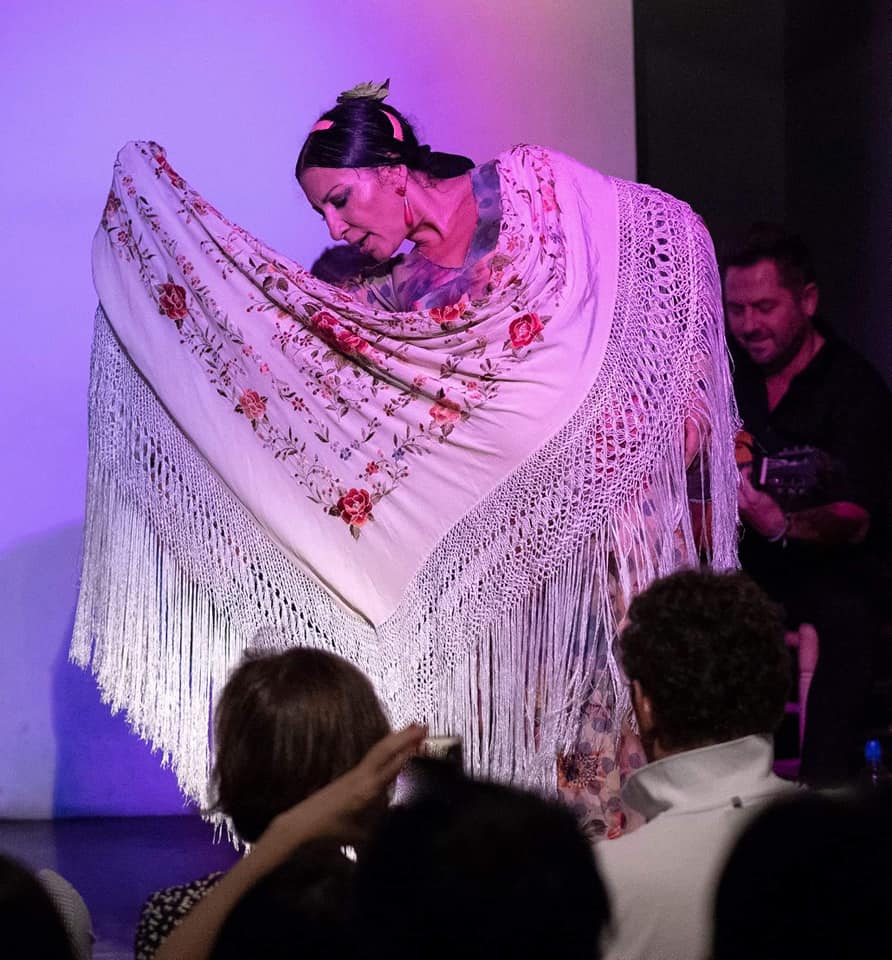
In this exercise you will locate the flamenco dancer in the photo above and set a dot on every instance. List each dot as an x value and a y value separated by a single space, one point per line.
455 471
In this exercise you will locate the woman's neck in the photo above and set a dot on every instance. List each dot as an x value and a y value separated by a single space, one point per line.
445 216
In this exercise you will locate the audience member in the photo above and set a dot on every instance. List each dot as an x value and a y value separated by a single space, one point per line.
815 499
286 725
478 870
300 909
30 924
809 879
341 812
72 911
704 653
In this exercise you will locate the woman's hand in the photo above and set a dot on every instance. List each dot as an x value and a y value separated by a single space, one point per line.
336 811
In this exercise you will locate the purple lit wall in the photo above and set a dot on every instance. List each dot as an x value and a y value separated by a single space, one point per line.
230 89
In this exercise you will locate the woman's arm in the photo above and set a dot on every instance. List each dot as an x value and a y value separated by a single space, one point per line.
335 811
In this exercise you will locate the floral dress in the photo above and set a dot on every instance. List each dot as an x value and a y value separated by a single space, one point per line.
591 777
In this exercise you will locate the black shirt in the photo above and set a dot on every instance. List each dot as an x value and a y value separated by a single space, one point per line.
840 405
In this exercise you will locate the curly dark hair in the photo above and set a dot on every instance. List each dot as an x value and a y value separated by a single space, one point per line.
708 650
286 725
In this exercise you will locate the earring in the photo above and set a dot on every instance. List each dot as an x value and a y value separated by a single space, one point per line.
408 219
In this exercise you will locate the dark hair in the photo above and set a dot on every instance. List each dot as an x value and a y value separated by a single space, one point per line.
340 264
362 135
285 726
708 650
30 924
808 879
298 910
478 870
771 241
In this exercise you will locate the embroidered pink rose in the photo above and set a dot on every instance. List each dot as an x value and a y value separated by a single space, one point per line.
351 343
549 201
112 205
445 412
252 405
355 507
447 314
323 320
524 330
172 175
172 301
472 389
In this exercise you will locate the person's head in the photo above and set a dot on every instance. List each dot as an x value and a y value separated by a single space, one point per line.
478 870
338 265
29 923
354 167
808 879
771 296
298 910
286 725
705 655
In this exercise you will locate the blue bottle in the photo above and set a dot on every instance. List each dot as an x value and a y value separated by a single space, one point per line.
874 774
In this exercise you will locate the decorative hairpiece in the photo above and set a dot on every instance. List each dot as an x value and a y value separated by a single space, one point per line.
366 91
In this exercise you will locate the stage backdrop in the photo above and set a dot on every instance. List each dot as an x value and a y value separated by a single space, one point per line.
230 89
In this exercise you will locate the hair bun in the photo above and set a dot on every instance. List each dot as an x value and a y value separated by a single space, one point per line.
422 157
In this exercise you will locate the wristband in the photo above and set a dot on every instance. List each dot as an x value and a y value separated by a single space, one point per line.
781 536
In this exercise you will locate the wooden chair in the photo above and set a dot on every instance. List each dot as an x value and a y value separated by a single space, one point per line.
805 642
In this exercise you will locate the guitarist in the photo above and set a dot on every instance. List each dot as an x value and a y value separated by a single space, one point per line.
814 496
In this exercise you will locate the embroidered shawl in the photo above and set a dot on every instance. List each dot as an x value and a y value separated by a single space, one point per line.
461 500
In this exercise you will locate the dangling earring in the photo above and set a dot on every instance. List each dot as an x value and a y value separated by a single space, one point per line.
408 219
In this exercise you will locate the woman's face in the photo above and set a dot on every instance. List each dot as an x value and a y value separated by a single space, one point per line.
360 205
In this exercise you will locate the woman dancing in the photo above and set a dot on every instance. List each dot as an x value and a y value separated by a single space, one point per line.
454 471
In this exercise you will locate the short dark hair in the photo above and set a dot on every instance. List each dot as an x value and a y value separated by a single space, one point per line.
286 725
806 879
708 650
771 241
362 135
476 869
30 924
298 910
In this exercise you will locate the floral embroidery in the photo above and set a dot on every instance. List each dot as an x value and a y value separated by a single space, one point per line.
340 357
251 404
524 330
172 301
448 314
354 508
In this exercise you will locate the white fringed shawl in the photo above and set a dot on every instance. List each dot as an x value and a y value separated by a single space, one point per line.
460 501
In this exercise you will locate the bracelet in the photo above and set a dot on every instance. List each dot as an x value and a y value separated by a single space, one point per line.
781 536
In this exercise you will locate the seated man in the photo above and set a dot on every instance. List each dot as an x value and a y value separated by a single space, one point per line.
814 500
704 653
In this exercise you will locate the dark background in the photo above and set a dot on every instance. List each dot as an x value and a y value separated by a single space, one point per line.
780 110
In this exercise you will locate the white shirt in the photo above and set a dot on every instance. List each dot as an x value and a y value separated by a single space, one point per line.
661 879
